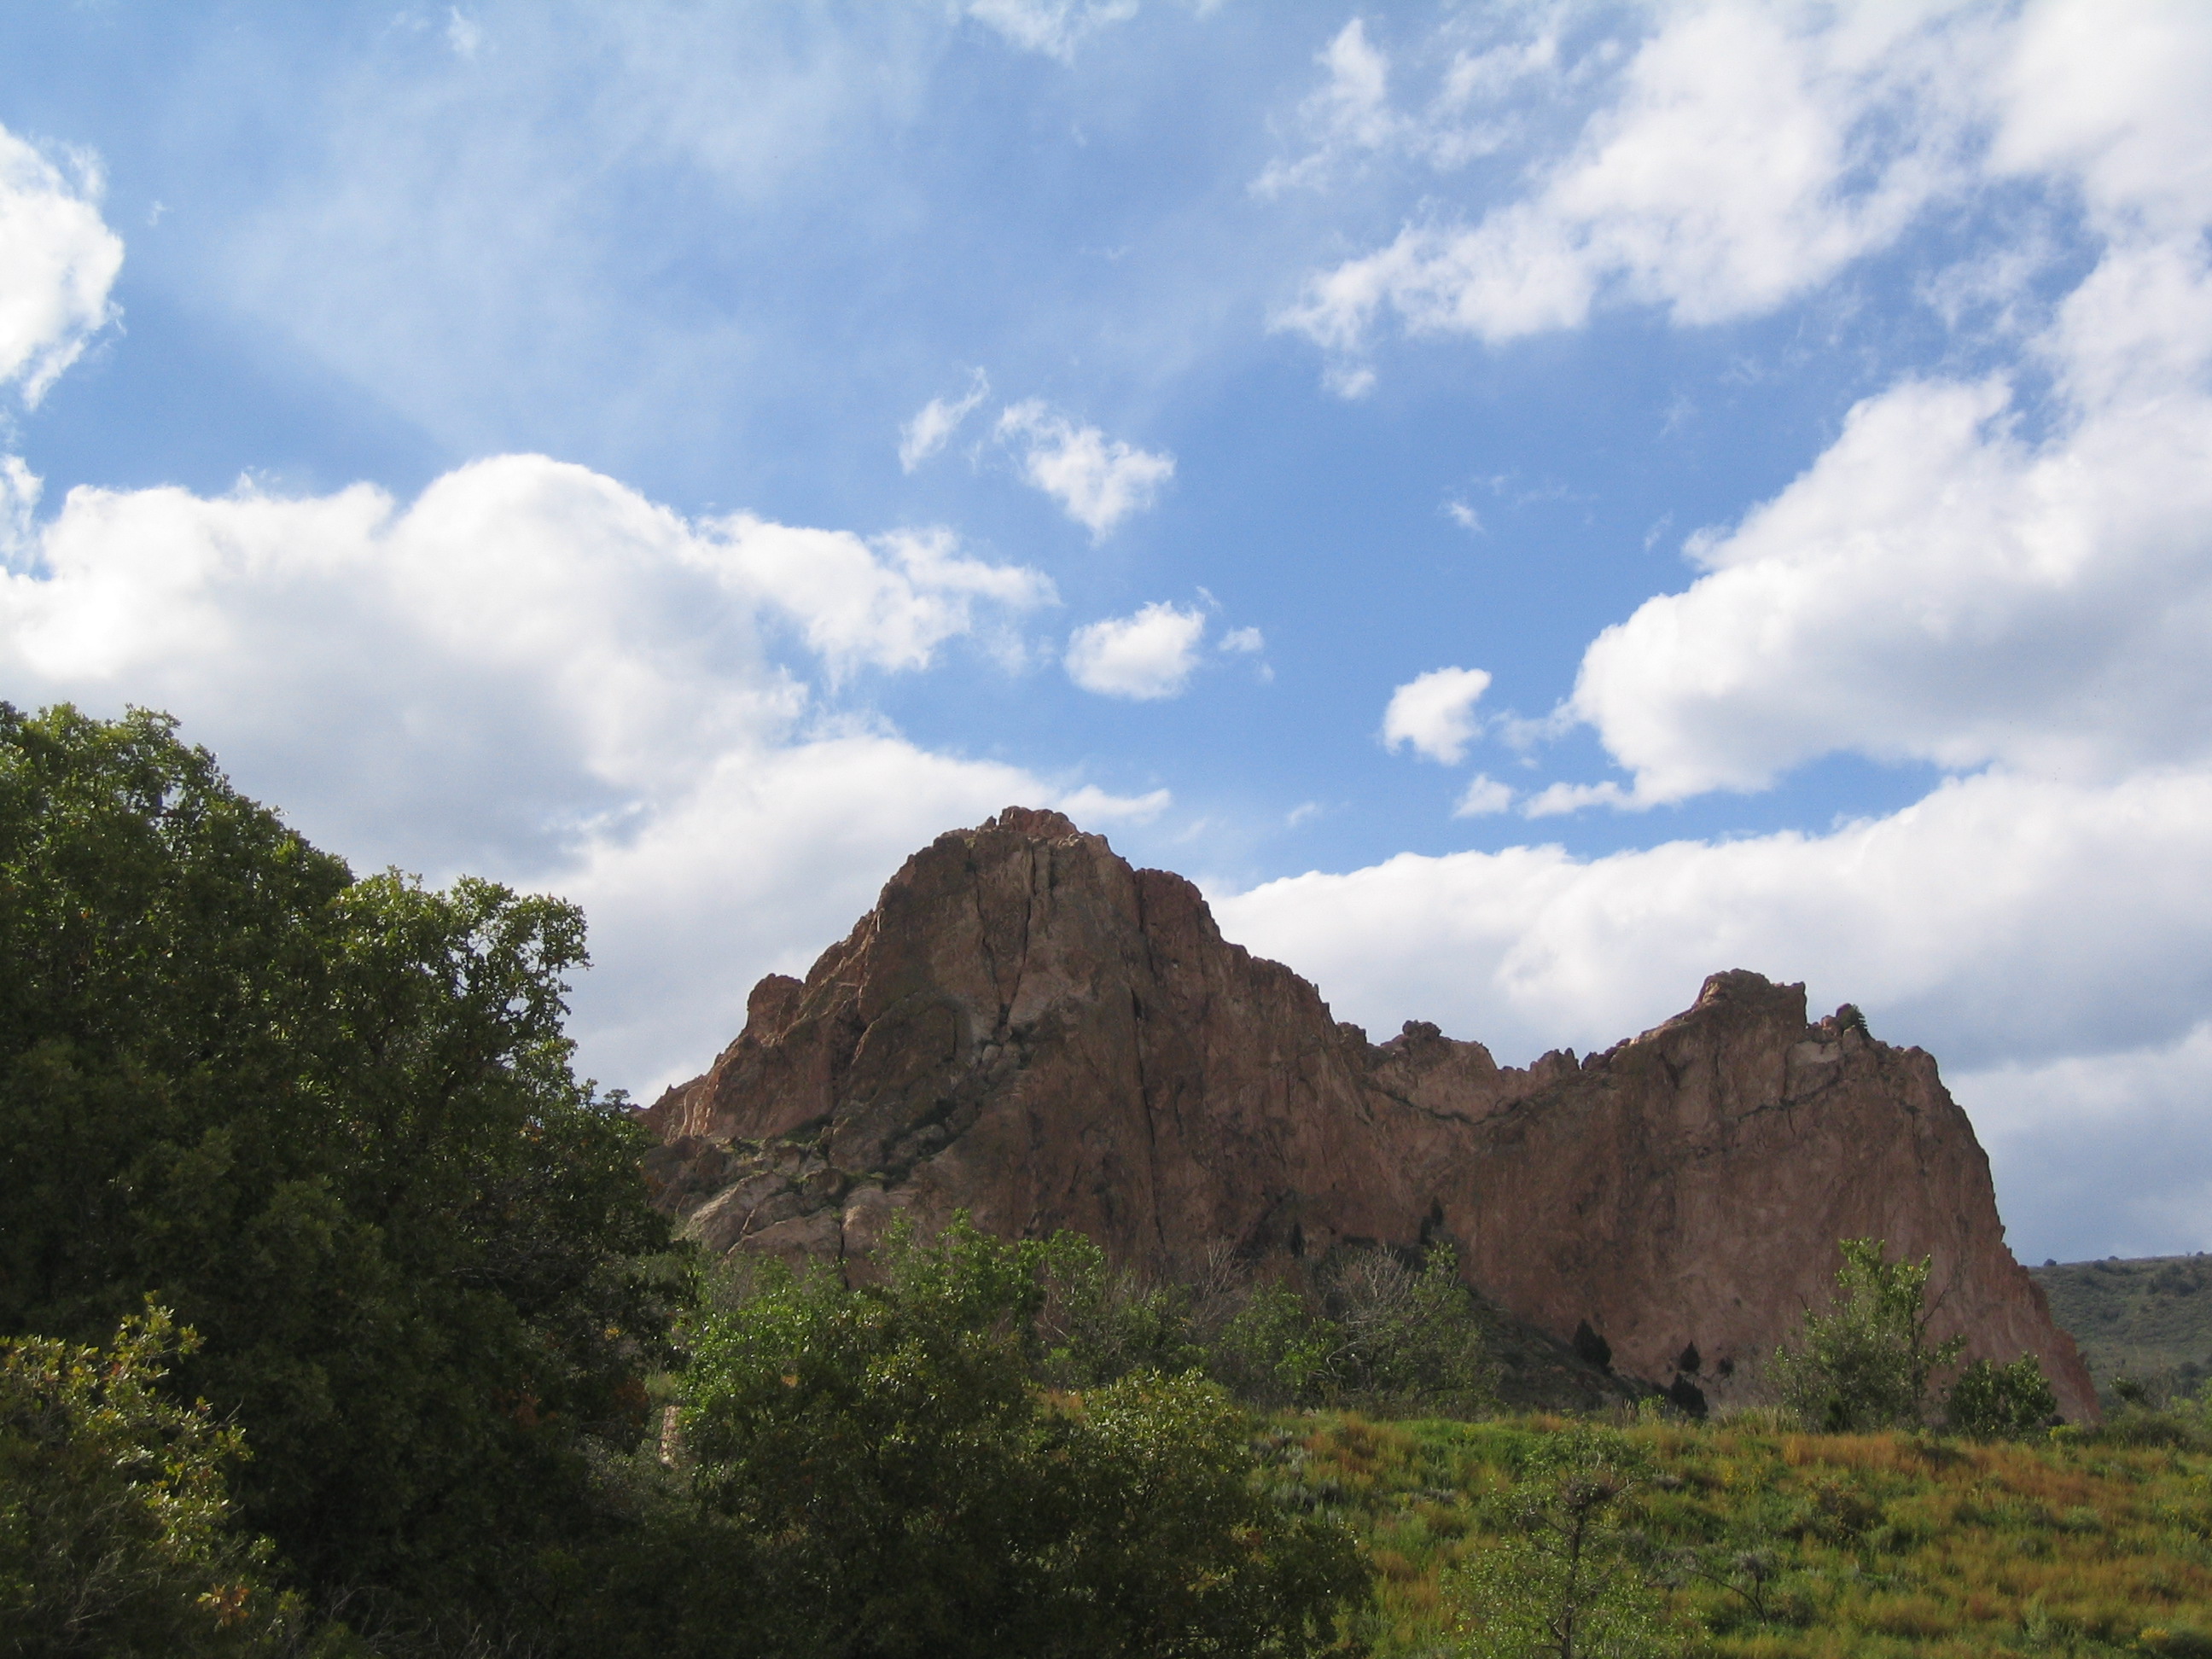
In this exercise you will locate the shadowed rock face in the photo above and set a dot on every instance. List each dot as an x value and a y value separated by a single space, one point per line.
1030 1030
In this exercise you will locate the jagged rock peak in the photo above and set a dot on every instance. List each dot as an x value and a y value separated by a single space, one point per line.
1028 1029
1036 823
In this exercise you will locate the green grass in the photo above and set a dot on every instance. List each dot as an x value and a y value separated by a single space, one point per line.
1884 1544
2149 1319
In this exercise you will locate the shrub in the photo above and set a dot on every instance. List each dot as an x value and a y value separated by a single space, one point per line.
2002 1402
115 1534
907 1488
1866 1363
1564 1577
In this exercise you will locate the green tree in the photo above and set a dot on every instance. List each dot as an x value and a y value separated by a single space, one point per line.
911 1489
2002 1402
1867 1362
1273 1348
1564 1578
332 1124
1095 1323
114 1520
1408 1337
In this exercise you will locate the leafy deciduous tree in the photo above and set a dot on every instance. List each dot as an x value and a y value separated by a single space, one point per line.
331 1123
1866 1363
911 1491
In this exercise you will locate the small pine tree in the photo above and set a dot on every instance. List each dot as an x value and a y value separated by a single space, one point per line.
1564 1579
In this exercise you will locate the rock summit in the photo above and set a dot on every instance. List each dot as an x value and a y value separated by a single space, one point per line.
1030 1030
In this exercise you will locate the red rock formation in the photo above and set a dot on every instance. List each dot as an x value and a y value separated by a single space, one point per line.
1030 1030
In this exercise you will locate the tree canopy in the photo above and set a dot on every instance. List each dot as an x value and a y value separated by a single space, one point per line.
908 1489
330 1123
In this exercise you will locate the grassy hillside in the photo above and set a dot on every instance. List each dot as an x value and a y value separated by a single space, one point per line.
1878 1545
2149 1319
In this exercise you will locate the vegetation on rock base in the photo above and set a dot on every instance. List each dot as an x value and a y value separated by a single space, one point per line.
332 1323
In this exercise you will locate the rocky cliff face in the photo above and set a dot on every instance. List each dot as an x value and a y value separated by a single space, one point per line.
1030 1030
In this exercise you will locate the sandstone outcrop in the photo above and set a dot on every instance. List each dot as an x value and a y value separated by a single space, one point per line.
1028 1029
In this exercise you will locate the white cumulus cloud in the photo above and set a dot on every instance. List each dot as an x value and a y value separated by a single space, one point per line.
58 260
1936 588
1146 656
1750 152
1434 712
534 673
1097 481
889 604
1950 583
521 644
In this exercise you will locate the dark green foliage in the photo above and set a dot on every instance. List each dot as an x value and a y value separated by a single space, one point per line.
1686 1396
2002 1402
1095 1323
115 1534
1370 1331
1866 1363
1407 1338
1275 1349
909 1489
1374 1333
332 1124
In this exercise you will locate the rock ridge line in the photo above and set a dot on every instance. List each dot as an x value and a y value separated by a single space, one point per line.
1027 1028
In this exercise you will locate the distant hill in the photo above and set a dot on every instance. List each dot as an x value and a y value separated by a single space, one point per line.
2149 1319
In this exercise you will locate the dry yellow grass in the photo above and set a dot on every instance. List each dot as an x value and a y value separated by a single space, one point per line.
1886 1545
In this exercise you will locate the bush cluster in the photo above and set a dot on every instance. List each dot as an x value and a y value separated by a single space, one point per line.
1368 1329
902 1482
1865 1363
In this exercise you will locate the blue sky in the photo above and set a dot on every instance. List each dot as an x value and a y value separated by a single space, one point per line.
1527 504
